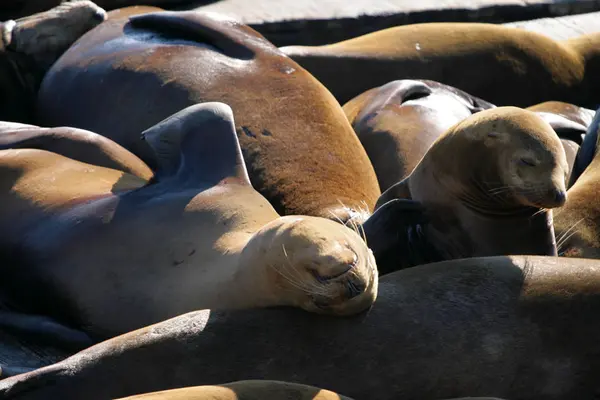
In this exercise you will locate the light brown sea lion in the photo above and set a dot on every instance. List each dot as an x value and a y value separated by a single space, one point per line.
30 45
513 327
197 236
504 65
577 223
244 390
486 186
74 143
398 122
570 123
295 137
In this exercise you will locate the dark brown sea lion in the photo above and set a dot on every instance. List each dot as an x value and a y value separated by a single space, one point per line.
74 143
295 137
30 45
107 259
244 390
485 186
398 122
513 327
506 66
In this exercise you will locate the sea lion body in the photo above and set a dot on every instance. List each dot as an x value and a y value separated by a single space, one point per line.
95 259
244 390
511 327
486 186
506 66
576 223
398 122
74 143
294 135
30 45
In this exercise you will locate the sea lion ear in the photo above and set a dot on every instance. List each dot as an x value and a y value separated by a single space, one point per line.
199 143
400 190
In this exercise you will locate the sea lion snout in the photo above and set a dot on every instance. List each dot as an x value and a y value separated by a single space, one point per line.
557 197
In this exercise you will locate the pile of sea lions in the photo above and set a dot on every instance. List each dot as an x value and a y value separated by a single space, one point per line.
190 212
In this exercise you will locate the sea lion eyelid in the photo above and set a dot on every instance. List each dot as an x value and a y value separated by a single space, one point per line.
527 161
493 134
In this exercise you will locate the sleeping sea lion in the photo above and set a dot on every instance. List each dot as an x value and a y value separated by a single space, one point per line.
487 186
295 137
74 143
105 252
398 122
504 65
520 327
30 45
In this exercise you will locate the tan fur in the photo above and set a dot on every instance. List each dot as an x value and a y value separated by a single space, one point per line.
570 123
198 236
506 66
482 199
244 390
397 129
295 137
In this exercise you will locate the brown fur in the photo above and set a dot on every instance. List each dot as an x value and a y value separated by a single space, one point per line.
577 223
244 390
398 122
570 123
506 66
512 327
77 144
197 236
29 47
294 135
478 191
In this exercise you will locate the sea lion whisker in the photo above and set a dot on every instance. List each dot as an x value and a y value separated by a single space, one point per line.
567 234
306 285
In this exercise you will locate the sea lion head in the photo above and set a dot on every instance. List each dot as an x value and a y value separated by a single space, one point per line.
315 264
45 36
520 158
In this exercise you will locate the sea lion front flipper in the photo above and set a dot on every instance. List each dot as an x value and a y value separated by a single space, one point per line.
587 151
44 330
400 190
392 232
202 27
198 144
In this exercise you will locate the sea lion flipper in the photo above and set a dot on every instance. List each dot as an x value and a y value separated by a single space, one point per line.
400 190
390 230
201 27
199 144
587 151
45 329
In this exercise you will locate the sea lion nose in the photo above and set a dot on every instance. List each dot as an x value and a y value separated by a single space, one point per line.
560 197
99 15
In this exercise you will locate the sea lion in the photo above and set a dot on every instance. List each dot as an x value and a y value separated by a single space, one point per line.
74 143
295 137
221 244
576 223
570 123
22 8
504 65
30 45
519 327
398 122
244 390
486 186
